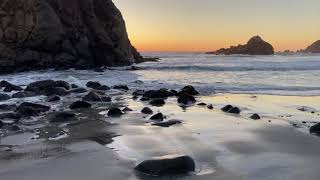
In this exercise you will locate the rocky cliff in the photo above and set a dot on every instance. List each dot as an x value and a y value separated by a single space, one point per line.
255 46
314 48
41 34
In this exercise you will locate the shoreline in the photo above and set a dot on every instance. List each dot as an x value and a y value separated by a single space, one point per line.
217 141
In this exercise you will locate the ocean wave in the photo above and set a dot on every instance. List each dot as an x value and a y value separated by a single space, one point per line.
225 68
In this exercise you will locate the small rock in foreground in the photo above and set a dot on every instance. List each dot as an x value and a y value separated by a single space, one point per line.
157 117
167 166
255 116
147 110
115 112
186 99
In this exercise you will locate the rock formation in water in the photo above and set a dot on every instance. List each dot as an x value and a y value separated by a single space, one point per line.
314 48
41 34
255 46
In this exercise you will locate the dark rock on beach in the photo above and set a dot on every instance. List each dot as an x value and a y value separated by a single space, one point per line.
157 117
24 94
147 110
315 129
4 97
74 86
115 112
62 34
161 93
255 116
40 86
226 108
167 166
31 109
190 90
186 99
63 84
127 109
92 96
201 104
61 117
255 46
78 90
7 107
157 102
167 123
8 87
234 110
60 91
93 84
210 106
13 116
138 92
53 98
80 105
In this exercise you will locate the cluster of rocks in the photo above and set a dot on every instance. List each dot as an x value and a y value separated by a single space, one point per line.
54 91
42 34
255 46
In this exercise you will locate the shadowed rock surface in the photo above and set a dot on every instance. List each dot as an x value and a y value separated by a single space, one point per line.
167 166
255 46
41 34
314 48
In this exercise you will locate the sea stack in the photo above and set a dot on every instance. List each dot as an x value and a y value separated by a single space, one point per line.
42 34
314 48
255 46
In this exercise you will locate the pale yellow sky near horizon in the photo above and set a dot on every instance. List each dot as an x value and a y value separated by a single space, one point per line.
204 25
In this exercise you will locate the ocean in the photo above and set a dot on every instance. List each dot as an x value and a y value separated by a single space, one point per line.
297 74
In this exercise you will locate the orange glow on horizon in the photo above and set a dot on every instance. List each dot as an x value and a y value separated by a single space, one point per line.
208 25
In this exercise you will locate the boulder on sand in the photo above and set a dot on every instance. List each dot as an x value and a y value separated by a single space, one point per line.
186 99
161 93
157 102
315 129
255 116
31 109
157 117
190 90
115 112
169 165
93 84
147 110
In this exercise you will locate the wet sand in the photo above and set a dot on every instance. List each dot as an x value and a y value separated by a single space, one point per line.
224 146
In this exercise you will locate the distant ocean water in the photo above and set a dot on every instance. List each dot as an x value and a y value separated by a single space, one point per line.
278 74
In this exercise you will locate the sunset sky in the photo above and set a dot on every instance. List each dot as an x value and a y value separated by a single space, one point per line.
202 25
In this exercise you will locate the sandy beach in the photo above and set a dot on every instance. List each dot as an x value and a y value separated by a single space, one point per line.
224 146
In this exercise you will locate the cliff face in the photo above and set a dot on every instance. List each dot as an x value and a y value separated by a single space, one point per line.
255 46
314 48
40 34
